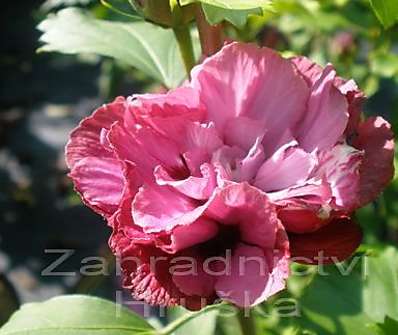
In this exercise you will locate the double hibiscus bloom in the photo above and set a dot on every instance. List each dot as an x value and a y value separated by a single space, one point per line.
258 159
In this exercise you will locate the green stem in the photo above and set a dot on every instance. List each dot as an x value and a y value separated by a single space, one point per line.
246 322
183 36
173 326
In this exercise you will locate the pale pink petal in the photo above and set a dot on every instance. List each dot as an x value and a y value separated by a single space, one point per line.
242 132
100 182
314 191
327 116
288 166
199 188
85 140
227 158
160 208
248 283
340 167
257 83
355 98
247 168
376 139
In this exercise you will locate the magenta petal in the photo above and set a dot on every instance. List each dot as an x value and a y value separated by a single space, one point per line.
160 209
246 284
287 167
199 188
250 209
100 183
198 282
327 115
170 113
182 237
376 138
85 140
146 149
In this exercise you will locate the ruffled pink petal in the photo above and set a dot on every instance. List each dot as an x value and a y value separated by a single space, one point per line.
85 140
99 181
246 206
310 71
376 139
355 98
146 149
327 115
243 80
314 191
288 166
170 113
161 209
247 168
182 237
249 282
146 273
199 188
340 167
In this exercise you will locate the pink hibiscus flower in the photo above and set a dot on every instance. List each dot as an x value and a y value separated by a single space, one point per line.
207 179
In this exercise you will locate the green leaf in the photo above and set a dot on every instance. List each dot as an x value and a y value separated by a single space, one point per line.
75 315
238 17
389 327
332 304
233 11
231 4
205 322
381 285
386 11
384 64
150 48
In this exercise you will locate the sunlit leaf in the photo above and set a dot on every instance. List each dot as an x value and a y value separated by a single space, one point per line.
75 315
233 11
150 48
386 11
205 322
381 289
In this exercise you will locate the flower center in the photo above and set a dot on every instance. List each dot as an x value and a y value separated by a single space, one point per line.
226 239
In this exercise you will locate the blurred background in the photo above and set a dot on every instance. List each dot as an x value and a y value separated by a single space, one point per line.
44 95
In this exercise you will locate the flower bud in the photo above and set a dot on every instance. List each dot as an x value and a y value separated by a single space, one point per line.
159 12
